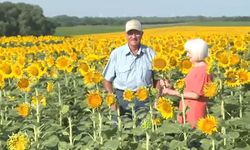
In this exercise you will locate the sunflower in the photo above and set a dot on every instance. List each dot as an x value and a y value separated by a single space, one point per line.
208 125
94 99
172 61
240 44
164 106
244 64
224 60
180 84
234 59
185 66
210 89
231 78
63 63
50 86
97 77
83 67
34 70
156 121
24 84
50 61
19 141
142 94
160 63
23 109
128 95
110 99
243 76
92 77
40 100
6 69
17 71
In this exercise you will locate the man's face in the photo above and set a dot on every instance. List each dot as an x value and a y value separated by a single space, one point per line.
134 37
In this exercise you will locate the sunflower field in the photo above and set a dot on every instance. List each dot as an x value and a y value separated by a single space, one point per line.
51 93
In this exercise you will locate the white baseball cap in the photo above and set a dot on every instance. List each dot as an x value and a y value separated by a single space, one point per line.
133 25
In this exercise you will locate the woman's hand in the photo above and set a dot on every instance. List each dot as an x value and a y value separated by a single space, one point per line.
169 91
165 83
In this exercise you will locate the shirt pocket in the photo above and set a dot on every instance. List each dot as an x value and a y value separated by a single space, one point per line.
123 74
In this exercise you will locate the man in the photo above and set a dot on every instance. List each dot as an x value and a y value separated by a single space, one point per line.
129 67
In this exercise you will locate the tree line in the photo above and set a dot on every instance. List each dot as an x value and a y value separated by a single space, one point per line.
24 19
64 20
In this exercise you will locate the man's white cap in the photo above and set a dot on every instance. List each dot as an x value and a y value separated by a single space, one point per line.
133 25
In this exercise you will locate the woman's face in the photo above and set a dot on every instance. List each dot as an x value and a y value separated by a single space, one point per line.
191 56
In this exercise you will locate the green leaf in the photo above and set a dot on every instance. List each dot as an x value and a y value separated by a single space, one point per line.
65 109
112 144
63 146
51 141
137 131
233 135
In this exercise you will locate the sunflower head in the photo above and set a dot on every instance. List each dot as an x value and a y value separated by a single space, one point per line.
210 89
142 94
160 63
40 100
231 78
19 141
63 63
128 95
94 99
23 109
110 99
50 86
243 76
180 84
24 84
164 106
208 125
185 66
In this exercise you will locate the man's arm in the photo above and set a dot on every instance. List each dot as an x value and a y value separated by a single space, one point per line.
108 86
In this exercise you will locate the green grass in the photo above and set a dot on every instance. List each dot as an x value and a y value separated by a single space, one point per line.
221 23
88 29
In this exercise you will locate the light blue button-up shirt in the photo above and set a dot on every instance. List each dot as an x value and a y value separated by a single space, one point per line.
128 71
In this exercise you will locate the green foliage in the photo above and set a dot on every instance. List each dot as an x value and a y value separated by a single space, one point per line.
23 19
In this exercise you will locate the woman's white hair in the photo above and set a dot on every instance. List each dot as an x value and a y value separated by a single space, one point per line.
198 48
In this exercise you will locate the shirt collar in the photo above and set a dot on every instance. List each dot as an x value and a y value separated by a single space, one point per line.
140 51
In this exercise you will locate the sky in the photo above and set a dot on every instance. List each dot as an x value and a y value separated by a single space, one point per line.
146 8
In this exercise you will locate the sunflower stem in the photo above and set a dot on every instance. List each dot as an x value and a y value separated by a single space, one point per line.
94 124
183 109
147 141
66 80
70 132
59 103
5 110
37 107
223 130
134 119
119 119
25 97
213 144
152 117
100 127
240 100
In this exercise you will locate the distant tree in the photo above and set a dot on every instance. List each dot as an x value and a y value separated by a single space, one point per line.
24 19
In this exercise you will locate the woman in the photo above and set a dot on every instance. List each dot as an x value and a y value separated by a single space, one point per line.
196 79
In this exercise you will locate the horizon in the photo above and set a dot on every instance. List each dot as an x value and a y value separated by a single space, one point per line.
140 8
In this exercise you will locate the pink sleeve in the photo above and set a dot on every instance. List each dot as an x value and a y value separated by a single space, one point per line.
198 82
